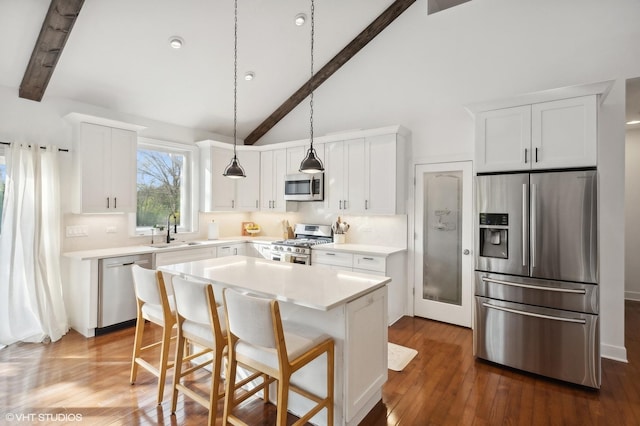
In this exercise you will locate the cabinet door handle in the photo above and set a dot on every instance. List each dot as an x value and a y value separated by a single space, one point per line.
340 208
366 204
233 204
525 155
115 202
367 258
330 254
107 202
536 154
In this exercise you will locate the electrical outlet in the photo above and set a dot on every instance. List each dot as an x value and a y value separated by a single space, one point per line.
77 231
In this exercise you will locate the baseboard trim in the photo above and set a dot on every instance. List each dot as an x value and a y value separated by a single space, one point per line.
632 295
615 353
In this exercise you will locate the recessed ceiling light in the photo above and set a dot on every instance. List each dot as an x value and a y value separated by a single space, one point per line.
301 18
633 122
176 42
249 76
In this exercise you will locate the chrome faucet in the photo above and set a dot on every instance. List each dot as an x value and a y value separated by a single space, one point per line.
175 227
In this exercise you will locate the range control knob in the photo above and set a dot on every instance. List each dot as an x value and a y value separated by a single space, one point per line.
288 248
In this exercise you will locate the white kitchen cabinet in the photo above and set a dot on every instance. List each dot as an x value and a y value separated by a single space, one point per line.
220 193
259 249
106 168
366 175
385 166
273 169
546 135
295 155
345 176
564 133
366 364
391 265
237 249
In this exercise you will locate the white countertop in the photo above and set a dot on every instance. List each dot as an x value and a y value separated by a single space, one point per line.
359 248
176 245
316 288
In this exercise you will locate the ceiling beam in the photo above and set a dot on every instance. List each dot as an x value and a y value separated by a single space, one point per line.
53 36
348 52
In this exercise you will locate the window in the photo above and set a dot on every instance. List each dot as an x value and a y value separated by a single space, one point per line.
165 185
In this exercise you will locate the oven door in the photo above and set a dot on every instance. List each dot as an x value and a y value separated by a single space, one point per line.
301 259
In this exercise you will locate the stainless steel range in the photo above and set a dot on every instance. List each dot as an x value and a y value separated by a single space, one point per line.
298 249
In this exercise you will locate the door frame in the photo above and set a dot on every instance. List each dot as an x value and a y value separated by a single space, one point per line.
411 232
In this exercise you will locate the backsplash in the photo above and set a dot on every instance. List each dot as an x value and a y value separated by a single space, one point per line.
112 230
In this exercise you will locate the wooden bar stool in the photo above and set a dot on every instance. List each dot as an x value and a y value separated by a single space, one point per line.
157 307
200 321
259 339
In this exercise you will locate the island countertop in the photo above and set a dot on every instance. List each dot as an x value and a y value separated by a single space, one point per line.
316 288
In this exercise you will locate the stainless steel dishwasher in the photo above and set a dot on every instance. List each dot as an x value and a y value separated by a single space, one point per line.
116 294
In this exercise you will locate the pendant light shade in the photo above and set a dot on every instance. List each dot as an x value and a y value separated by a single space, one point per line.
311 163
234 170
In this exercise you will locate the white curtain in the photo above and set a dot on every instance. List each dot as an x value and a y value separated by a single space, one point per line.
31 304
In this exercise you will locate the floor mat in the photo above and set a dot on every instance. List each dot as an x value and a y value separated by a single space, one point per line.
399 356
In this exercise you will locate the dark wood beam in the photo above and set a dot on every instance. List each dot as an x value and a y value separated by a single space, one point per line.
53 36
348 52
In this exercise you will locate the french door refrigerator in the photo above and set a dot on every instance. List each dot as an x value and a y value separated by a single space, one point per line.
536 294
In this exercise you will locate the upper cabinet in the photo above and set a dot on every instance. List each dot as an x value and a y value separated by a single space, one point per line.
105 165
364 175
220 193
273 169
545 135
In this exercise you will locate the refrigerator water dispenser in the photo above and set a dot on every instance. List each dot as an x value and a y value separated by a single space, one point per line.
494 235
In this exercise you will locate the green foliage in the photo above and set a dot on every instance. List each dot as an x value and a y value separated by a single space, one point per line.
159 181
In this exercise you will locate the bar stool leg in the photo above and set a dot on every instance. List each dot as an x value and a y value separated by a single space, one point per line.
164 360
283 400
180 349
137 344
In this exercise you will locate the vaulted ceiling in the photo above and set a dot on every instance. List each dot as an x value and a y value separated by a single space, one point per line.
117 55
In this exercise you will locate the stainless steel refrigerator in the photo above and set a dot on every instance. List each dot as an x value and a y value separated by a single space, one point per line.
536 292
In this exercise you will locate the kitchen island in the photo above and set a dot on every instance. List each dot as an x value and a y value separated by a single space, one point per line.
349 306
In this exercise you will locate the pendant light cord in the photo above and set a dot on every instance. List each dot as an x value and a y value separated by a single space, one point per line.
311 79
235 77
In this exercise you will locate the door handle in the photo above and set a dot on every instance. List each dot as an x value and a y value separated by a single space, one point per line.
534 220
531 314
340 208
466 252
107 202
525 155
525 226
536 154
535 287
115 202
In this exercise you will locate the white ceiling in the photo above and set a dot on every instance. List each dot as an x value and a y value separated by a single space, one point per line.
117 55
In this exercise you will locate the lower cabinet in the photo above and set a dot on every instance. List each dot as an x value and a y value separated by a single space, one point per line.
238 249
392 265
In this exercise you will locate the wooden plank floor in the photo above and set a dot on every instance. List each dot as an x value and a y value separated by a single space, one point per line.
443 385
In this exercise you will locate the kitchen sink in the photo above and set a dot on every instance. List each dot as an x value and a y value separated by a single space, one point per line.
174 244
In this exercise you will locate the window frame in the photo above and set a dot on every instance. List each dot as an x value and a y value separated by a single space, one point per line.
189 190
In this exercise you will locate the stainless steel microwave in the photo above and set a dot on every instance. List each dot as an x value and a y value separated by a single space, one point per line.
304 187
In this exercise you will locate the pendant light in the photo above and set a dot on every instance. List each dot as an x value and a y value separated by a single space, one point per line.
234 170
311 163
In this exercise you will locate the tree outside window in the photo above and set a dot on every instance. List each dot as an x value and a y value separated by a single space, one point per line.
161 180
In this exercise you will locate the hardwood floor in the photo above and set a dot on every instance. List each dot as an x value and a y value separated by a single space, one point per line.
85 381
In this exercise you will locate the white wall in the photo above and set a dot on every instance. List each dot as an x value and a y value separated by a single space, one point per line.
422 70
632 213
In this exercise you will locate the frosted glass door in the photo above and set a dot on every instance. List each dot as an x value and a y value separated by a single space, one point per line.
443 240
